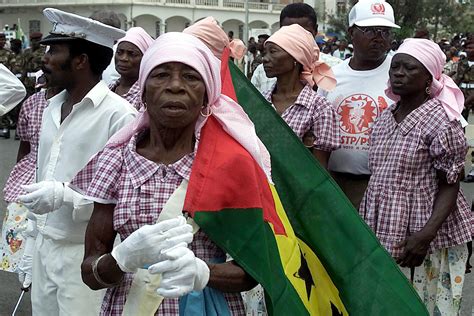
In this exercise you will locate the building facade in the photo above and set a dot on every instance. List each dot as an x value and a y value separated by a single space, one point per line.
155 16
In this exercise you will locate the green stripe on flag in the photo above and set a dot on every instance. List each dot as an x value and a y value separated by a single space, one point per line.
366 276
251 242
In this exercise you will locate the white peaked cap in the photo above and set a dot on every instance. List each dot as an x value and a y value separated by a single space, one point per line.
372 13
68 26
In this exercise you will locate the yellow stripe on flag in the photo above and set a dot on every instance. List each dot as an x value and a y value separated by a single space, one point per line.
304 270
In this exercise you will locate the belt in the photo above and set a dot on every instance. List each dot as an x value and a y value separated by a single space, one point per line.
352 176
466 85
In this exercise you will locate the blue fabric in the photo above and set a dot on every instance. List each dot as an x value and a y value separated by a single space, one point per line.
208 302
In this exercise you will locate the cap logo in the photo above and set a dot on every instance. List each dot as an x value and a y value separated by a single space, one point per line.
378 8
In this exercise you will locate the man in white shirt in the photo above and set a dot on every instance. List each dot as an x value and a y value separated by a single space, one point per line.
76 125
295 13
342 50
359 96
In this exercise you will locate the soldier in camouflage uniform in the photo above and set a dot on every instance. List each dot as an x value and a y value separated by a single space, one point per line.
7 58
31 62
15 47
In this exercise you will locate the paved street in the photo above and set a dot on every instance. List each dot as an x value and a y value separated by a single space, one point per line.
10 287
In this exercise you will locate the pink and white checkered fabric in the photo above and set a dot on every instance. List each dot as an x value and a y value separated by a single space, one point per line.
140 189
404 158
28 129
133 96
314 114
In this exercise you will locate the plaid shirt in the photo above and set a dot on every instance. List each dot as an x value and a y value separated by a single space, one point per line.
404 158
140 188
133 96
314 114
28 129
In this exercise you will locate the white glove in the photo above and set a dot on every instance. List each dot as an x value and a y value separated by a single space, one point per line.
25 266
43 197
144 246
182 273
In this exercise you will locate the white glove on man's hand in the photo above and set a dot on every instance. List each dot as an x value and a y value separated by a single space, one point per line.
25 266
43 197
144 246
182 273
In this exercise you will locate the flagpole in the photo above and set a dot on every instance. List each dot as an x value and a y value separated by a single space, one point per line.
246 25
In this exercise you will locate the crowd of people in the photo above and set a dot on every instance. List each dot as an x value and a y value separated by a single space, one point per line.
111 122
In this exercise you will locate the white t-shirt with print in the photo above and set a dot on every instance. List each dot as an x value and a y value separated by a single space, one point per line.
359 99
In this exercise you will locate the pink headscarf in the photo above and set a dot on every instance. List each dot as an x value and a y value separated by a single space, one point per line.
208 31
138 37
300 44
443 87
187 49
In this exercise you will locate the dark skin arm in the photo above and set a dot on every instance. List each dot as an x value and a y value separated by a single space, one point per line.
100 236
230 277
322 156
23 150
416 246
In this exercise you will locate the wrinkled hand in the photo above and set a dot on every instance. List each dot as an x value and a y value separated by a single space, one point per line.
181 273
43 197
415 248
145 246
25 266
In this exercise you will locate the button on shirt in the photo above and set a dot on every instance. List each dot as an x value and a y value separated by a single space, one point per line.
65 148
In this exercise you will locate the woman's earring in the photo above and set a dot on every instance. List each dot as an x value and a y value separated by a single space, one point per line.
428 89
209 112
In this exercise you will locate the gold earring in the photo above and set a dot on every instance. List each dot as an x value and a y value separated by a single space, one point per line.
209 112
428 90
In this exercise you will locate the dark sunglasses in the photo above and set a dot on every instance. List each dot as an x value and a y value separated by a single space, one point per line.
372 32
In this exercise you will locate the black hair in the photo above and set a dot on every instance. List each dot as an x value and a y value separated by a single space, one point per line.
109 18
99 56
265 36
299 10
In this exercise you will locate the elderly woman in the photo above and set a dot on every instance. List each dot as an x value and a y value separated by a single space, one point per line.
14 228
413 201
130 50
292 56
135 178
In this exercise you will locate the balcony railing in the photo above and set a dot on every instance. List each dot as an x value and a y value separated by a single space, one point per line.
228 4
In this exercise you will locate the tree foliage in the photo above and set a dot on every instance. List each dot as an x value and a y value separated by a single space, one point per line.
440 17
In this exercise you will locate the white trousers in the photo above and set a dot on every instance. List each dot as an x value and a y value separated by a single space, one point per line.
57 287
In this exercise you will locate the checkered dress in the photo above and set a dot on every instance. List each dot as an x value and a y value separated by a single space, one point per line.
404 158
314 114
28 129
140 189
133 96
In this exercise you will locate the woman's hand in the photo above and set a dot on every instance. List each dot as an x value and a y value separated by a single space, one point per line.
415 248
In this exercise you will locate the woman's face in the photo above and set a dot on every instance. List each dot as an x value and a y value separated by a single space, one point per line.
277 61
174 94
408 76
127 59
